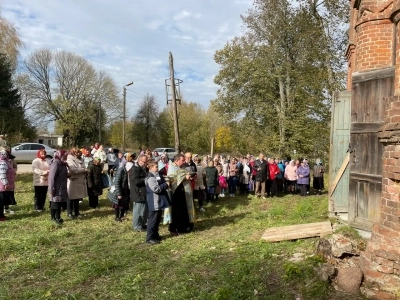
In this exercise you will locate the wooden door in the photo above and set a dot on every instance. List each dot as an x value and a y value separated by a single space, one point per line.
369 94
340 140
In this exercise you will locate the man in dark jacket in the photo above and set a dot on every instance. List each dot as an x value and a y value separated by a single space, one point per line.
261 166
137 176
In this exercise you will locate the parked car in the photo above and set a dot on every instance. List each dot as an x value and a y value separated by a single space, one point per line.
26 152
171 152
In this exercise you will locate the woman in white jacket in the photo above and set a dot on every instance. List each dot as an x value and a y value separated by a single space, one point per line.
40 168
76 185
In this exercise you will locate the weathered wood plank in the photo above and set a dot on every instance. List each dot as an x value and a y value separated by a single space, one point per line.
369 177
299 231
373 75
365 127
340 173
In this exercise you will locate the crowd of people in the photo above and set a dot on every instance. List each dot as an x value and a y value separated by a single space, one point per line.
159 190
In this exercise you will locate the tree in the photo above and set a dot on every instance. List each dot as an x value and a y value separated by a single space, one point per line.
28 102
144 122
223 139
13 121
69 91
194 126
276 79
10 43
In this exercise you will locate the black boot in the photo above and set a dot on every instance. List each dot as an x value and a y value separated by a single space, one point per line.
117 215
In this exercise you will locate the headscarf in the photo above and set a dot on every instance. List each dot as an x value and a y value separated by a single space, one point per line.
85 152
39 152
60 154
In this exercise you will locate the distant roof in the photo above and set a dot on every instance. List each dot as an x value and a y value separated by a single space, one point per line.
50 135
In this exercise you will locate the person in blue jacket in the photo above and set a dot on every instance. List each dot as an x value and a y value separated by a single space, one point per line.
157 200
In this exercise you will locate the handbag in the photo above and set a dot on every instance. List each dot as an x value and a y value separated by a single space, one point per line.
105 181
112 196
251 185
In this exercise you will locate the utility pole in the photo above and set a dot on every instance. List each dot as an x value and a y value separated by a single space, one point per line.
99 121
173 102
124 117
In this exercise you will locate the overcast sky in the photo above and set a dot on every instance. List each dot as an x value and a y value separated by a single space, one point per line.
131 40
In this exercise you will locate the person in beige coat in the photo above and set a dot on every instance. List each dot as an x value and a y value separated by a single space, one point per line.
40 168
76 185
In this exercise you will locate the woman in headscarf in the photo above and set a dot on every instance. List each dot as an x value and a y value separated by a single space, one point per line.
156 156
94 182
303 177
291 176
7 183
11 201
58 177
318 176
77 189
40 168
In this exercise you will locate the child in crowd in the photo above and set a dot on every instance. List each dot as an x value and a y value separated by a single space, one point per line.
157 200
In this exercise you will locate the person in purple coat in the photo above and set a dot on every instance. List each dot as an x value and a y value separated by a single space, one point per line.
58 177
303 178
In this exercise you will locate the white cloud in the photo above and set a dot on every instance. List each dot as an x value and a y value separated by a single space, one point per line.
131 40
182 15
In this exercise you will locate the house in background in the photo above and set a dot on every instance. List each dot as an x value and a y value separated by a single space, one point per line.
52 140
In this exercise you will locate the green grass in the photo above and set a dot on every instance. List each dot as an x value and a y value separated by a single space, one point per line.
97 258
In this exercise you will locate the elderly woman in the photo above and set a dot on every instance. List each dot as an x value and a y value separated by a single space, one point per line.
291 176
303 177
58 177
100 153
86 157
40 168
7 183
94 182
76 186
121 196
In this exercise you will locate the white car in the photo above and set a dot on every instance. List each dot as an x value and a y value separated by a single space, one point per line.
26 152
171 152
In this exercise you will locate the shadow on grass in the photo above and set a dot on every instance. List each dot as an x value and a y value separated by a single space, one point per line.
207 224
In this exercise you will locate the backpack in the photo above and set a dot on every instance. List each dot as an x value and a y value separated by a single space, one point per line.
222 182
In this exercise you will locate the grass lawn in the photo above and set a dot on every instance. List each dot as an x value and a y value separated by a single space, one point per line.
97 258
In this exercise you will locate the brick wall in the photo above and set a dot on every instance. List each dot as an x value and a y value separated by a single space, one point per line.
374 35
376 46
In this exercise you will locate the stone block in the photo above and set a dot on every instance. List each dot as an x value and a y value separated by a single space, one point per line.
349 280
341 244
385 269
379 295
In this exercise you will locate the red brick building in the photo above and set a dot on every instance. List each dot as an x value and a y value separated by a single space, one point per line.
374 49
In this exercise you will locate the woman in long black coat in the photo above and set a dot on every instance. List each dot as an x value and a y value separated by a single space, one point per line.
120 196
95 188
58 176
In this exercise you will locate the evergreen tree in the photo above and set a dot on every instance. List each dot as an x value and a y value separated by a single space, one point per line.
13 121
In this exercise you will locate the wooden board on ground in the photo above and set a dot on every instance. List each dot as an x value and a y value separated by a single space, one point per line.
300 231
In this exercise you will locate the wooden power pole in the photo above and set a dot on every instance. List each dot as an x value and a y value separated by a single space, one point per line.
173 102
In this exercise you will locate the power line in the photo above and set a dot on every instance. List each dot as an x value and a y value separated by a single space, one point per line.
205 78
